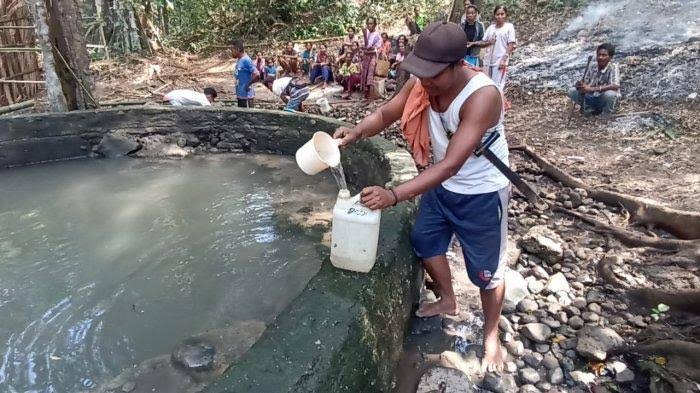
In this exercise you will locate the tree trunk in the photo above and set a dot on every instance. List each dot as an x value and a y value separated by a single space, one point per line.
54 91
73 62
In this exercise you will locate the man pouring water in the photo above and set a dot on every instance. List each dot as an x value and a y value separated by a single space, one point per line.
462 194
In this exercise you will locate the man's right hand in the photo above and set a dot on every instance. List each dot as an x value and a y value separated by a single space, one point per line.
346 135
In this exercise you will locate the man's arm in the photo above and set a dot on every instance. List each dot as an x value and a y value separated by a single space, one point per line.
484 108
378 120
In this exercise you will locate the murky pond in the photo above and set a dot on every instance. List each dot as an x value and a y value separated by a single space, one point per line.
106 263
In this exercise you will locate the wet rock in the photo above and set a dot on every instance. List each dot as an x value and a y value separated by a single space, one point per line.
533 359
557 283
529 375
544 243
555 376
576 322
195 356
595 342
435 377
498 383
537 332
116 144
516 290
527 306
128 387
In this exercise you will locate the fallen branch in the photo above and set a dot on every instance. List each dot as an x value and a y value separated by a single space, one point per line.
16 107
632 239
680 223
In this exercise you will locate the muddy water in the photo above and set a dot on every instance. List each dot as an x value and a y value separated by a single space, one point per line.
105 263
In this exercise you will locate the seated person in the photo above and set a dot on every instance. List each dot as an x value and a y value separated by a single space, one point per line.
269 72
349 75
293 91
393 72
322 66
599 92
289 60
190 97
307 58
385 48
350 39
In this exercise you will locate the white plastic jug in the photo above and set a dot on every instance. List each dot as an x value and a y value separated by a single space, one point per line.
323 105
355 234
319 153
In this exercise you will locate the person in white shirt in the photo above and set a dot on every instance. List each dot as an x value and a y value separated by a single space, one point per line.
500 42
190 97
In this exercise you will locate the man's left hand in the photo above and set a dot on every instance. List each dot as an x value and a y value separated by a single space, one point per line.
377 198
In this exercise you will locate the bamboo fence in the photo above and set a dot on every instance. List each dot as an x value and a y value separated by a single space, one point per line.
17 67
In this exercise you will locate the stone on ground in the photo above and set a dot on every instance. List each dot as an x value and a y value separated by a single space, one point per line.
557 283
544 243
453 380
537 332
516 290
116 144
503 383
595 342
529 375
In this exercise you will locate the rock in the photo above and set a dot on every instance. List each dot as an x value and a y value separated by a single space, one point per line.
554 308
544 243
498 383
529 375
579 302
128 387
527 305
510 367
537 332
595 296
576 322
575 199
533 359
555 376
515 348
624 376
583 377
542 348
590 316
195 356
562 317
563 298
571 311
550 322
117 144
539 272
580 253
528 389
550 362
456 380
594 307
534 286
516 290
528 318
569 343
557 283
504 325
638 321
595 342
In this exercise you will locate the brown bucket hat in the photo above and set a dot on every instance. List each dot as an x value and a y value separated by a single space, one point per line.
440 44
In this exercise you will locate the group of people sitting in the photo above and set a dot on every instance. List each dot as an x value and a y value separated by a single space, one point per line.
354 66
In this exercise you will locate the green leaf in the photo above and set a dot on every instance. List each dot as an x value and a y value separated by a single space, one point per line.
662 307
655 317
654 311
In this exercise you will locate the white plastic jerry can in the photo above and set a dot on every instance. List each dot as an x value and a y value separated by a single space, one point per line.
355 234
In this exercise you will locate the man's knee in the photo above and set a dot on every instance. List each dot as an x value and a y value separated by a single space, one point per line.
574 95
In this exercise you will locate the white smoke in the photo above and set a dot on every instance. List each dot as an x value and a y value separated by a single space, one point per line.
593 14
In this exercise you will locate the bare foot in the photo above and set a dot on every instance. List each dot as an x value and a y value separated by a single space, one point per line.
493 356
442 306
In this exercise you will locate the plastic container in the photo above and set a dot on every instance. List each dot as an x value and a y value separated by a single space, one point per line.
319 153
355 234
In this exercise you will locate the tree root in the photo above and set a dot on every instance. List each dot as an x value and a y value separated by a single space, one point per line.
688 301
680 223
632 239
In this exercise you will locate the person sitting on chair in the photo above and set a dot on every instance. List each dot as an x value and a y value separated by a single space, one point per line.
599 92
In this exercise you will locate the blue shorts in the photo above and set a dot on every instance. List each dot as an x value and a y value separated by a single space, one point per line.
480 223
473 60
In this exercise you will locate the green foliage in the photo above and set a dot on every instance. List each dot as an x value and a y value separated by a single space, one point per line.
196 24
659 311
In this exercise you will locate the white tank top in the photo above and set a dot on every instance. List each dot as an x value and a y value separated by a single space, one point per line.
478 175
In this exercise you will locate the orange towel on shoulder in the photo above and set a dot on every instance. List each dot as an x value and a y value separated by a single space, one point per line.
414 124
